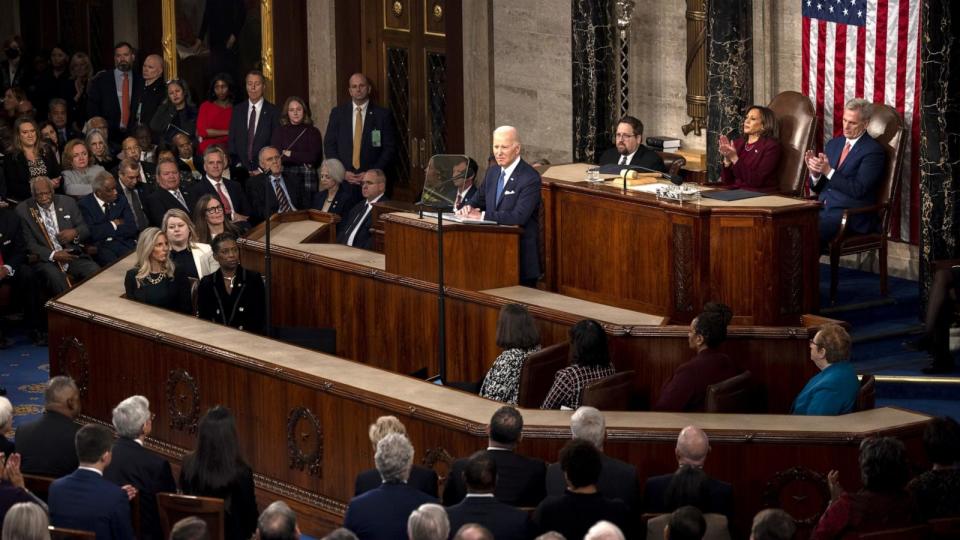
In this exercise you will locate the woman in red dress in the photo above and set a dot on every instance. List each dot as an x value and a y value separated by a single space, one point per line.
750 162
213 123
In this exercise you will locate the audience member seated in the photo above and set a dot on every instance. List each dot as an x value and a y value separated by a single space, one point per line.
480 506
147 148
232 296
100 148
618 479
420 477
689 485
209 219
216 469
113 229
356 231
590 361
518 336
272 191
520 479
193 259
130 149
941 306
59 118
12 488
29 158
883 503
277 522
177 114
773 524
686 391
190 528
235 204
582 505
78 172
848 173
473 531
47 443
834 390
134 191
334 197
6 426
154 279
604 530
26 521
86 501
12 97
301 148
750 162
381 513
135 465
629 148
189 165
168 194
686 523
213 121
937 491
340 534
428 522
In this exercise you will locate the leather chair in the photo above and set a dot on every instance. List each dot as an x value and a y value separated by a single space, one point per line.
38 485
174 507
539 369
886 127
59 533
797 122
673 162
734 395
867 395
609 393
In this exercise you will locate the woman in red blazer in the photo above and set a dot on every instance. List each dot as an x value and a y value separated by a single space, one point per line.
750 162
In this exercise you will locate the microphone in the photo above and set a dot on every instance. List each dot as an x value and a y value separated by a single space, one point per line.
618 169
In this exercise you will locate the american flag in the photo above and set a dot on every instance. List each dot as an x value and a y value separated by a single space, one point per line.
867 49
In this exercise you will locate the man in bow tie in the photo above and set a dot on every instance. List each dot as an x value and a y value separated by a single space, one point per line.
113 229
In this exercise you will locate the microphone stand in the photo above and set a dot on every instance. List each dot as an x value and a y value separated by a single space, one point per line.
441 301
268 327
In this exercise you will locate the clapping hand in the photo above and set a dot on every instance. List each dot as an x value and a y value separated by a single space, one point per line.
726 149
818 164
833 481
10 470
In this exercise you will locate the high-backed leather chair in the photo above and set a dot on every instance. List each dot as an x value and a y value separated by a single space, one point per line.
609 393
174 507
734 395
867 394
538 371
886 127
673 162
797 121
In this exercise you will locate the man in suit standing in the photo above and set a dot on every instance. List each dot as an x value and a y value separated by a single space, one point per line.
360 134
135 465
618 479
360 218
114 94
520 480
848 174
629 149
154 90
134 191
481 505
85 500
252 125
236 207
280 195
167 195
511 196
113 228
47 444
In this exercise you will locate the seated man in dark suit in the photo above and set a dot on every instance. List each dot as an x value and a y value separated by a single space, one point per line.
421 478
481 505
629 149
229 192
85 500
520 480
618 479
357 231
277 522
113 229
271 188
167 195
848 173
17 276
381 514
573 513
46 444
707 494
132 188
135 465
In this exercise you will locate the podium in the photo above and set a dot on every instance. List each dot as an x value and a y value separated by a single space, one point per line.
476 257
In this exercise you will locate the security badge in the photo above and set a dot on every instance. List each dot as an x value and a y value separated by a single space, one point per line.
375 138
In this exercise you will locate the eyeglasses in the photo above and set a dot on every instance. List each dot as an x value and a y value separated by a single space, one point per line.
214 210
624 136
815 344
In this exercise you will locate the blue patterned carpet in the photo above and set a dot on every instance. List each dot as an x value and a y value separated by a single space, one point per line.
23 372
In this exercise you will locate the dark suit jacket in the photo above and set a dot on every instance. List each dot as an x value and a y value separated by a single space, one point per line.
12 245
102 101
260 193
142 191
47 445
467 197
86 501
363 239
519 205
21 76
68 217
121 240
504 521
241 204
343 202
381 514
17 174
644 157
855 183
149 473
158 202
338 140
618 480
268 120
422 478
572 514
244 308
150 98
11 495
520 480
719 496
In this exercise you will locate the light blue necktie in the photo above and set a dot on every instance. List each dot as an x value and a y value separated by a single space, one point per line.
500 186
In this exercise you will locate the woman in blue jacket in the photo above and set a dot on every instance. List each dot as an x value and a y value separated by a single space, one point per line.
834 390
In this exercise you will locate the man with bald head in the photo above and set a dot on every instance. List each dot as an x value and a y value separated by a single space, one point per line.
707 494
154 90
511 196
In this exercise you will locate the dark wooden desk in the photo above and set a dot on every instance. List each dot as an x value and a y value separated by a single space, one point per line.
628 249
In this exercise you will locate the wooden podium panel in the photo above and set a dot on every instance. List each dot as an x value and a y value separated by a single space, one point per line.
475 257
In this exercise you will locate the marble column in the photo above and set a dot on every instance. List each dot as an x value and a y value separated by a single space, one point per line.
729 71
594 81
940 140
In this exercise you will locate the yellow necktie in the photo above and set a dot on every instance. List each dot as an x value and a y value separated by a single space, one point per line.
357 137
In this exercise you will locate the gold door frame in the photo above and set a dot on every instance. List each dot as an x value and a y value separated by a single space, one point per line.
266 46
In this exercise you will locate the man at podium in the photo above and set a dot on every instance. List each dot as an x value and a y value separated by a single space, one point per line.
510 195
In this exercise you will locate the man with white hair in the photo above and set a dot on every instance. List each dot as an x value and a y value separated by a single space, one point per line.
618 479
604 530
135 465
381 513
6 426
511 196
429 522
277 522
